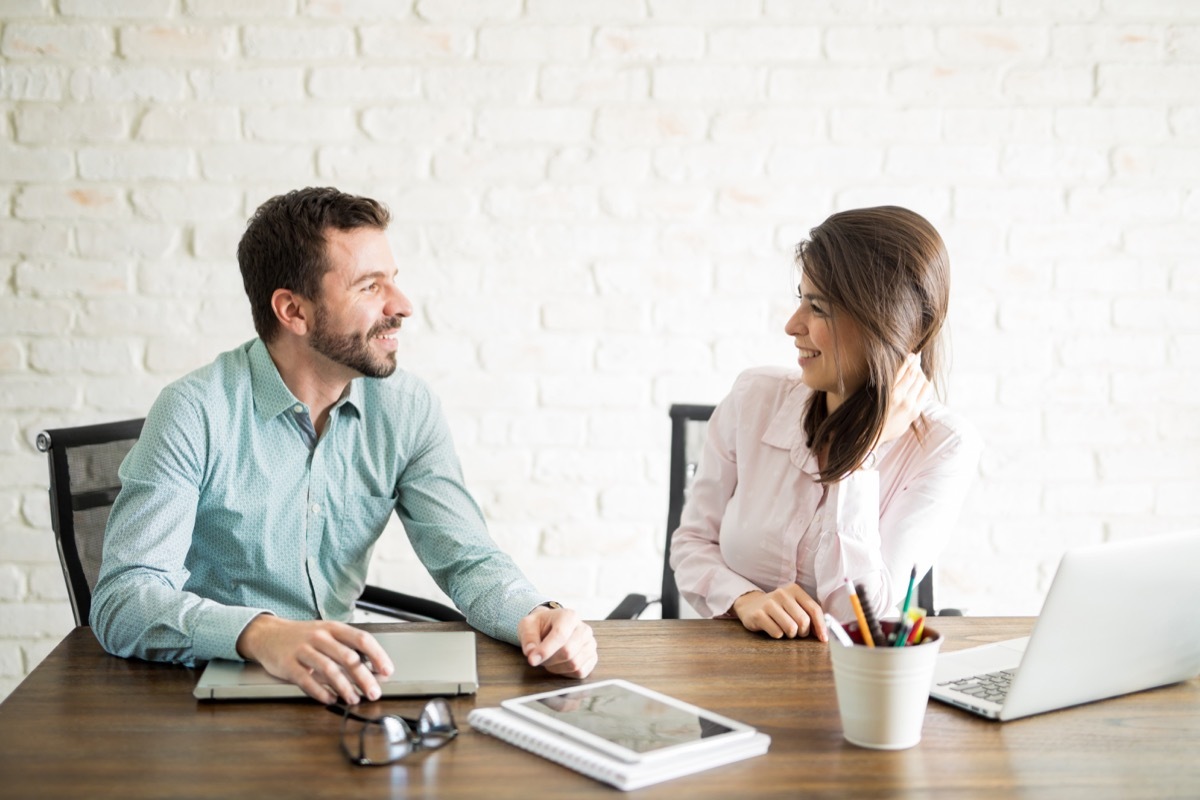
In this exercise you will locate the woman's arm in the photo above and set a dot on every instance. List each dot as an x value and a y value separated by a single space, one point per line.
876 539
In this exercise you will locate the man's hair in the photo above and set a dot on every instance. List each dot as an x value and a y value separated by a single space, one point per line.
885 268
284 245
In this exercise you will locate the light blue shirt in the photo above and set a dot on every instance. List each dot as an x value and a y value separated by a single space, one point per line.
231 507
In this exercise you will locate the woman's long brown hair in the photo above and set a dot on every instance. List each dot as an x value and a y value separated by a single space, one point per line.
885 268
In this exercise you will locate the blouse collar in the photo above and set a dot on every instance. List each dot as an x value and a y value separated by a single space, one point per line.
786 429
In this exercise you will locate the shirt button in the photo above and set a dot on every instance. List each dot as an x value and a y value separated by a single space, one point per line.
316 508
299 409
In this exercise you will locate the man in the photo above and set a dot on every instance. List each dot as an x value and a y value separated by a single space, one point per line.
252 501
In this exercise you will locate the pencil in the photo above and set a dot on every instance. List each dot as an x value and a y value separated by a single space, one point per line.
858 614
872 621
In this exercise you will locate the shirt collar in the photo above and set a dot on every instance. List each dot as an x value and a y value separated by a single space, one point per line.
353 397
786 429
272 396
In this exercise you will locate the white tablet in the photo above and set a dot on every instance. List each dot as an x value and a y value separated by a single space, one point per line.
628 721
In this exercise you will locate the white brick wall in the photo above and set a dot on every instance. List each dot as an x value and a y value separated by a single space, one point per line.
596 202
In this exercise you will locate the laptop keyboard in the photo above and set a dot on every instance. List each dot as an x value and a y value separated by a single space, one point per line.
992 686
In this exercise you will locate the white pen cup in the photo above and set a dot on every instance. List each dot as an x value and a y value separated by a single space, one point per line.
882 692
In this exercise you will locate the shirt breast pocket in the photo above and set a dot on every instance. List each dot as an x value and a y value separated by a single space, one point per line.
364 517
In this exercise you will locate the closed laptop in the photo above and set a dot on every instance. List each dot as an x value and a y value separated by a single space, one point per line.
426 663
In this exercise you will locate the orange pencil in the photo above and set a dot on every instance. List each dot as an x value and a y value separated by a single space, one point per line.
858 614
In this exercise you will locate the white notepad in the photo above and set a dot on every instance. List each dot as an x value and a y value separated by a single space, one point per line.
698 739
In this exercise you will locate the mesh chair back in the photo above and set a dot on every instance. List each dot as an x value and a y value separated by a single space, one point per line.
83 485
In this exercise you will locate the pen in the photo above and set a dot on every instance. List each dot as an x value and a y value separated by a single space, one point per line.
912 582
904 625
838 630
872 621
858 614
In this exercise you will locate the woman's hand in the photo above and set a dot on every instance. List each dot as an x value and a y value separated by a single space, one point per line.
909 394
787 611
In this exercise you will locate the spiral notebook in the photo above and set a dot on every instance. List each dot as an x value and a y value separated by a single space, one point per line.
620 733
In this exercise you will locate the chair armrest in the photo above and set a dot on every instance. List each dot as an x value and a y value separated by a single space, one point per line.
632 607
405 606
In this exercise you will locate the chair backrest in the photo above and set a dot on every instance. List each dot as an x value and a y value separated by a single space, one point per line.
689 424
83 485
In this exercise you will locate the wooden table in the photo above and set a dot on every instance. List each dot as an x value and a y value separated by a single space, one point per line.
86 724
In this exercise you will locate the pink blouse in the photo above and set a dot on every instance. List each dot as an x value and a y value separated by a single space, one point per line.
757 518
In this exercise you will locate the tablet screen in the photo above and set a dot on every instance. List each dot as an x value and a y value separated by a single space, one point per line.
636 721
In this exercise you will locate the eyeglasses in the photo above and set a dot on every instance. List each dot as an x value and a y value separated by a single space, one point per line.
379 741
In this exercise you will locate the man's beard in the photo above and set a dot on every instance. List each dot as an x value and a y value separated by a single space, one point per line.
351 350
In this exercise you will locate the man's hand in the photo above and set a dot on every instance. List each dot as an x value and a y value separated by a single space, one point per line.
325 659
787 611
557 639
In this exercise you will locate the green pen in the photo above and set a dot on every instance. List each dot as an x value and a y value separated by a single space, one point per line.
904 626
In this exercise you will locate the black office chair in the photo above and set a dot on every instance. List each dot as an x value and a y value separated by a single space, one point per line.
689 424
83 485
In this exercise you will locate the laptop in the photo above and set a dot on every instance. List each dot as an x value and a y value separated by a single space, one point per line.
426 663
1119 618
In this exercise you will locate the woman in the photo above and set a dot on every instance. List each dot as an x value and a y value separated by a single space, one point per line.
849 468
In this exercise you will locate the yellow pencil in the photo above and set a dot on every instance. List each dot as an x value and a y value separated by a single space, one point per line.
858 614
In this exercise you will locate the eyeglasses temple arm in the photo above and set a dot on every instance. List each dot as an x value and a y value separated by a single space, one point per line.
344 711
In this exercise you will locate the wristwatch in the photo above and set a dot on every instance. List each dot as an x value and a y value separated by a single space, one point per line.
553 604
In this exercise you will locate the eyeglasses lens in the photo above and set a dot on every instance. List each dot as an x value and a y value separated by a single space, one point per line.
382 741
436 725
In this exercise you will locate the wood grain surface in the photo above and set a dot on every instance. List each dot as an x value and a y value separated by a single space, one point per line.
86 724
